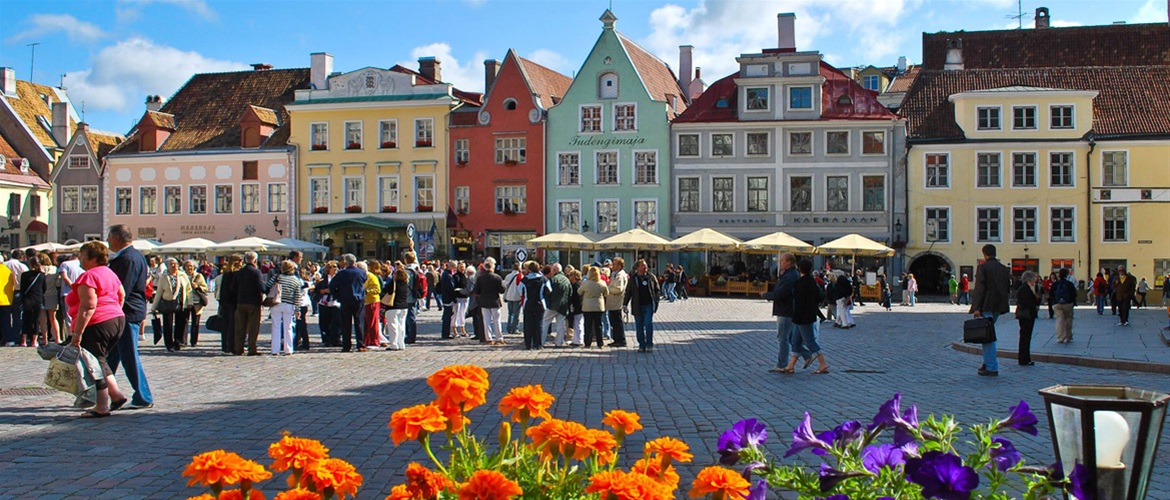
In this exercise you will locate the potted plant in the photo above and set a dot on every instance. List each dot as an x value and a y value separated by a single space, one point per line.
462 211
389 209
353 209
510 162
509 211
422 144
320 147
389 144
425 208
461 162
320 210
353 145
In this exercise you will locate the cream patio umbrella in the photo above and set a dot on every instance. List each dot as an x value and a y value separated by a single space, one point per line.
192 245
778 242
47 247
634 240
706 239
564 240
855 244
302 245
252 243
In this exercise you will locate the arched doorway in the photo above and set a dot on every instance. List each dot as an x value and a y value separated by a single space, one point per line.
932 271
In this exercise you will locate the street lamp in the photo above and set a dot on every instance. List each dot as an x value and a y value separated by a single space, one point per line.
585 227
898 229
1113 431
276 225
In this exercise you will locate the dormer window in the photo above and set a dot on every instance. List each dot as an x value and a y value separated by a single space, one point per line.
757 98
987 118
510 104
871 82
844 100
800 98
1024 117
607 86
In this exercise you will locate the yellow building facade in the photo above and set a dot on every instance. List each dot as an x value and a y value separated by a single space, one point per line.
1031 176
372 158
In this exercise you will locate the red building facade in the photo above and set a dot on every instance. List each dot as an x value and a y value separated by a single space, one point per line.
497 163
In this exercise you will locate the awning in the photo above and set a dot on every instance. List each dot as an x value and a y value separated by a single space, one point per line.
367 221
37 226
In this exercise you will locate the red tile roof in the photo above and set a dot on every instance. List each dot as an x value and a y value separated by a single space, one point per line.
11 173
7 150
659 79
102 142
206 110
865 105
165 121
544 82
1109 45
472 98
903 82
266 116
1132 100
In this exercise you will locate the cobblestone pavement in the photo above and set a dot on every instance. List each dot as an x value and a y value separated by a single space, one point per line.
708 370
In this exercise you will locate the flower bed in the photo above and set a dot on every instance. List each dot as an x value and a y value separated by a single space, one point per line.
389 209
425 208
389 145
320 210
353 209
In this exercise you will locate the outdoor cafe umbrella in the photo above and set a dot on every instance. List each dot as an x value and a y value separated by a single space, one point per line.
192 245
47 247
634 240
302 245
144 246
252 243
855 245
564 240
705 240
778 242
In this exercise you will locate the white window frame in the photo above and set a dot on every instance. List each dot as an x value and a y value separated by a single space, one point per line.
76 163
561 226
600 120
731 209
520 199
999 116
1035 116
361 135
885 192
230 198
698 144
511 144
416 190
812 100
1035 224
312 127
617 217
462 151
877 82
617 175
950 220
190 202
346 200
1035 170
70 193
393 123
1072 174
419 130
767 102
812 192
179 210
635 171
698 194
653 228
382 201
731 154
1106 181
1072 119
618 127
747 143
767 193
1053 224
979 174
142 205
926 170
282 205
328 183
848 142
976 216
97 199
883 143
560 167
117 199
812 139
462 199
243 197
848 193
1128 227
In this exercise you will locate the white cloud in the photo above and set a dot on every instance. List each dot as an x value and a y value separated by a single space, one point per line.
131 10
466 76
123 74
1153 11
552 60
46 24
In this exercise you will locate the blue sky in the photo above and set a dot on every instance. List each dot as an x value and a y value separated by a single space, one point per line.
114 53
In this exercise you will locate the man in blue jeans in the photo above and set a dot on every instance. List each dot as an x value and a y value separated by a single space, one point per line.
783 308
642 294
130 267
989 300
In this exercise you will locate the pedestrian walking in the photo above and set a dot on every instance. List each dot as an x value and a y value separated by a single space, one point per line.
843 296
953 289
329 310
32 288
990 299
1027 309
592 292
805 305
1142 289
98 322
512 296
618 282
912 289
48 319
447 298
195 300
668 283
393 300
964 290
536 287
782 308
1123 294
1100 292
225 293
556 303
683 281
1064 294
489 292
170 300
642 298
284 313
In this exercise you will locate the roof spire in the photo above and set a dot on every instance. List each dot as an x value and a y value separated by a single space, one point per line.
607 19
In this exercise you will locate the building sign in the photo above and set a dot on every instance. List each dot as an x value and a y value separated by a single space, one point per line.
831 220
197 229
147 233
744 220
462 240
606 142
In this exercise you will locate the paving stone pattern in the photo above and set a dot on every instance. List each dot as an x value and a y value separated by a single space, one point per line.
707 371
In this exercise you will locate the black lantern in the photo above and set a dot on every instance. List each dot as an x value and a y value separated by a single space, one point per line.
276 225
585 227
898 230
1112 430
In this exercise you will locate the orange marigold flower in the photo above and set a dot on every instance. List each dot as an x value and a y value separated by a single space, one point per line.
670 447
455 418
555 437
422 483
334 473
462 386
407 423
297 494
620 485
524 403
653 469
722 481
205 496
253 494
400 493
603 443
296 453
489 485
251 470
623 423
214 467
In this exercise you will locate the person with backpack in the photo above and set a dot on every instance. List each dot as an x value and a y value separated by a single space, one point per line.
512 295
1064 296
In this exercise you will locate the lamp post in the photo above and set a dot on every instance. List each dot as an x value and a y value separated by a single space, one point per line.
1112 431
276 225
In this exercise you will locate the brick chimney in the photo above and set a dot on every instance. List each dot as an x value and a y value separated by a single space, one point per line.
321 68
786 27
8 81
954 54
153 102
62 131
1042 17
429 67
901 65
685 60
261 66
491 68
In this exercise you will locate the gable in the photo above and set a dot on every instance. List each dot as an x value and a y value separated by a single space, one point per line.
614 53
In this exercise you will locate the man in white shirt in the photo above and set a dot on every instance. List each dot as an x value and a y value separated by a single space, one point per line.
10 315
69 270
512 295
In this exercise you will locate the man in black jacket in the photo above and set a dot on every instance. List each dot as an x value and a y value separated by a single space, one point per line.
989 300
249 286
349 288
130 267
782 308
447 297
642 293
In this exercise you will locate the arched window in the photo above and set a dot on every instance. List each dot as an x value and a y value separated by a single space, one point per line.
509 104
607 86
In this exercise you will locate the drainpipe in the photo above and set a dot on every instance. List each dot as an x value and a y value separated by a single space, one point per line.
906 190
1089 204
291 202
893 199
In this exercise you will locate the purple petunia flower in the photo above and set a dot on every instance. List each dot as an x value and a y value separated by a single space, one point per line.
830 477
745 433
803 438
1005 456
942 475
890 414
886 455
1020 419
758 492
836 497
841 435
1078 482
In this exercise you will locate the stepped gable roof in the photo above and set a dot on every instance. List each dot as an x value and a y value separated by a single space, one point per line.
544 82
29 105
1131 100
863 103
1108 45
205 112
102 142
903 82
659 79
471 98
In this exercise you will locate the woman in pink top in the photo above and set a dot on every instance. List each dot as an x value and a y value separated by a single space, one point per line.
95 305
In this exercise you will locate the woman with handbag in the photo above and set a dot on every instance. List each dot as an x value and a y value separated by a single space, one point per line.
462 299
170 299
1027 308
196 300
395 294
52 277
95 304
32 303
283 314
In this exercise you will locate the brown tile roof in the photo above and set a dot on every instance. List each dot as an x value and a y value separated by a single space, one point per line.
161 120
29 105
10 172
656 75
864 104
7 150
471 98
545 82
903 82
266 116
1109 45
1132 100
206 109
102 142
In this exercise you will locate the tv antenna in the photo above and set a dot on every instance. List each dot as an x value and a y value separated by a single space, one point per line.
1019 13
32 59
